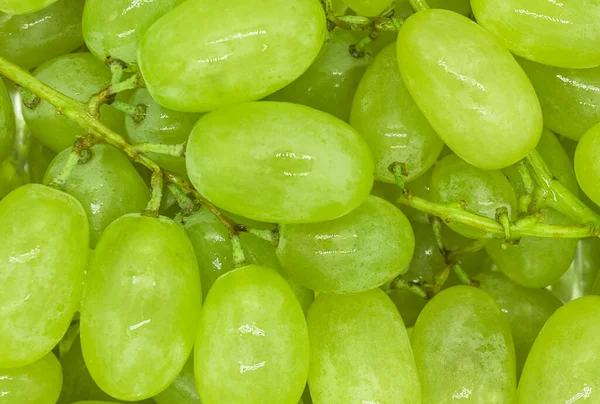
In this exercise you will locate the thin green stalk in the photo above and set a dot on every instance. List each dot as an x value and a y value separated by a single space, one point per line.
136 112
419 5
239 258
188 207
175 150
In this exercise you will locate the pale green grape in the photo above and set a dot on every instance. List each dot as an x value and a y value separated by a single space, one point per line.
385 114
279 163
562 366
464 350
360 352
23 6
7 123
453 180
570 98
556 33
78 75
252 343
38 161
526 309
404 9
330 82
31 39
470 88
579 280
140 308
369 8
162 126
587 164
183 389
359 251
108 186
43 256
36 383
193 59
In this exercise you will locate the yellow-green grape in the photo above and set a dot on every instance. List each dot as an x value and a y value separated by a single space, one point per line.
404 9
482 192
38 161
183 390
470 88
587 163
386 115
252 343
36 383
43 255
464 349
107 185
359 251
570 98
279 163
369 8
555 33
141 306
23 6
581 279
31 39
77 75
7 123
562 366
330 82
191 57
526 310
360 352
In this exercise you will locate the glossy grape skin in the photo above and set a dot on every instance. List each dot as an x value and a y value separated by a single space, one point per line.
191 57
182 390
453 180
108 186
563 34
44 253
464 349
470 88
587 164
330 82
36 383
77 75
31 39
140 308
562 366
385 114
279 163
360 351
359 251
252 342
7 123
23 6
526 310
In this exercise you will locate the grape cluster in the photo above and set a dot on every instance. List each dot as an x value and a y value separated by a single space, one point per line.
300 201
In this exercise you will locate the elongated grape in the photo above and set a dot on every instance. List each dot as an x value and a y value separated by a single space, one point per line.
330 82
587 164
107 185
23 6
279 163
7 123
191 57
37 383
385 114
581 278
562 366
183 390
360 352
140 308
470 88
464 349
483 192
31 39
252 343
563 34
359 251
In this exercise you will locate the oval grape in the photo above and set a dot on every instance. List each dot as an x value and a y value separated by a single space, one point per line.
23 6
36 383
587 164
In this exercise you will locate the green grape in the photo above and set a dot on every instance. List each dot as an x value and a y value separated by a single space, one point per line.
252 343
483 192
464 350
555 33
113 28
36 383
10 177
385 114
194 60
162 126
570 98
107 185
587 164
330 82
77 75
579 279
369 8
183 389
404 9
43 256
38 161
279 163
360 352
140 308
526 310
7 123
562 366
470 88
359 251
31 39
23 6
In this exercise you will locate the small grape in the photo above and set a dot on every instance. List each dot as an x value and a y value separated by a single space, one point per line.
36 383
587 164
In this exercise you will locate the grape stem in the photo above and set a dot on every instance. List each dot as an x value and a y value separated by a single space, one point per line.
136 112
188 207
419 5
175 150
79 154
107 95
